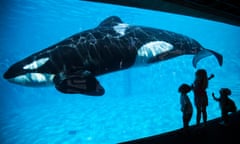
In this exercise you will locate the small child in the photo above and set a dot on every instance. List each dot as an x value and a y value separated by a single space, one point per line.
186 105
226 104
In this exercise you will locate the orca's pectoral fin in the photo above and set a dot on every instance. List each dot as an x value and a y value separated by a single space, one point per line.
204 53
78 84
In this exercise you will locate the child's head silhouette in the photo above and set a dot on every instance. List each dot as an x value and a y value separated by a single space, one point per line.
184 88
225 91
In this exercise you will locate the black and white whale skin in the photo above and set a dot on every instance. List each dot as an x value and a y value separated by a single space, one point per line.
73 64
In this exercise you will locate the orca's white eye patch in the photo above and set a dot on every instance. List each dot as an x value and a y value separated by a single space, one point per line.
36 64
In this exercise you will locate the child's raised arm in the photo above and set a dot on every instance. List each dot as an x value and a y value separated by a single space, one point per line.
211 76
215 98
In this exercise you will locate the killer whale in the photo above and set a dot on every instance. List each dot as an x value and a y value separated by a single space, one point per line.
73 64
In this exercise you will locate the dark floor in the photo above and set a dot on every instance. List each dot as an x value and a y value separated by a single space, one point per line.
212 133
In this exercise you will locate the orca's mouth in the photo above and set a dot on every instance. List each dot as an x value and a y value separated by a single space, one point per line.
10 73
6 75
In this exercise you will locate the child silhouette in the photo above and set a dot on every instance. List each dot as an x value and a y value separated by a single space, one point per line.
226 104
186 105
200 95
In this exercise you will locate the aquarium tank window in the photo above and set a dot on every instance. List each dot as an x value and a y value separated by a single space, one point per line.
138 101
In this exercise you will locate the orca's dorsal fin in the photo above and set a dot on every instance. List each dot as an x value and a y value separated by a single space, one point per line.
110 21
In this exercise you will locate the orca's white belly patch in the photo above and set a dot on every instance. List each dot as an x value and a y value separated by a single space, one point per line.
33 79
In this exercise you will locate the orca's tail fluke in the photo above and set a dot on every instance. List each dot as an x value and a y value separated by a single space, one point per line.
204 53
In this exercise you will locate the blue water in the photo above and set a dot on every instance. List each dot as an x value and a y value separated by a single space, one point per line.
138 102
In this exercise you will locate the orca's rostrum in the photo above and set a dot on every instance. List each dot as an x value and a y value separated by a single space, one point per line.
73 64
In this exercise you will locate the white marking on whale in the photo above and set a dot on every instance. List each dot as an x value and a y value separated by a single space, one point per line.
36 64
152 49
121 28
34 79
